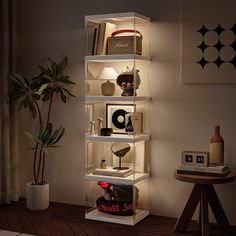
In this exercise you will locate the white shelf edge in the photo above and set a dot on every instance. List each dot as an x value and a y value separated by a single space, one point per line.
124 57
118 15
118 138
126 220
89 99
131 179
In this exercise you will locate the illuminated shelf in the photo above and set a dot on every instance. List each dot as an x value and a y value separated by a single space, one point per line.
131 179
126 220
115 58
123 138
117 17
92 99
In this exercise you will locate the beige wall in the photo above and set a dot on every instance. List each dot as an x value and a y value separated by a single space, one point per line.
182 116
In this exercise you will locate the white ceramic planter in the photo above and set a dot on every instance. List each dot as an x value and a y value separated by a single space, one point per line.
37 197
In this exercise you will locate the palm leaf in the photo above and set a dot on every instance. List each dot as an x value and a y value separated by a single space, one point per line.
47 133
67 93
65 80
62 65
32 137
60 135
42 88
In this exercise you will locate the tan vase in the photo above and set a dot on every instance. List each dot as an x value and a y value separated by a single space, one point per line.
217 148
108 88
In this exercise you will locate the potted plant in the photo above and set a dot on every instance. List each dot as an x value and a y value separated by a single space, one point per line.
29 94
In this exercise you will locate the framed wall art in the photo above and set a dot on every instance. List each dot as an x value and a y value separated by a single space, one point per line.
115 116
208 42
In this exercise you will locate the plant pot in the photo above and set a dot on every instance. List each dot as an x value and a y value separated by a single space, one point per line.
37 196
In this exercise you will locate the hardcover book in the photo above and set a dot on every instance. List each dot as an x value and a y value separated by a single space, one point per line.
219 171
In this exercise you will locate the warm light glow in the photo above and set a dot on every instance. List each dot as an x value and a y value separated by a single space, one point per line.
107 73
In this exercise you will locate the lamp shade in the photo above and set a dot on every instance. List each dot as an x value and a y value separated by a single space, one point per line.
108 73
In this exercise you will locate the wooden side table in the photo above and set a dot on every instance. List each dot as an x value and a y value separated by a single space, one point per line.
204 193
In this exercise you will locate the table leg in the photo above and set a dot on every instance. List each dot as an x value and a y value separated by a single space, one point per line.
204 210
189 209
217 210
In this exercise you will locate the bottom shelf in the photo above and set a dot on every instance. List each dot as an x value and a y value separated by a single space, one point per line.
126 220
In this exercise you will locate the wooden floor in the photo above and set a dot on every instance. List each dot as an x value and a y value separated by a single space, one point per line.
64 219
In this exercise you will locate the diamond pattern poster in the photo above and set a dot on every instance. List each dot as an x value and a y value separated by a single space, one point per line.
208 43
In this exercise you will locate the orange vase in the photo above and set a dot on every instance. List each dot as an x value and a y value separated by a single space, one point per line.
216 148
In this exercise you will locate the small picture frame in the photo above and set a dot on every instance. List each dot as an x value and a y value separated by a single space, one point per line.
115 116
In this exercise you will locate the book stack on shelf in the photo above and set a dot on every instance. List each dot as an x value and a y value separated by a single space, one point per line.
110 171
97 37
219 171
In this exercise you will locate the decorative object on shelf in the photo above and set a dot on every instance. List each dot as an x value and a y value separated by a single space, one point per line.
89 116
129 81
133 123
117 199
115 116
103 164
92 127
131 44
120 150
100 120
217 148
32 93
108 88
106 131
195 158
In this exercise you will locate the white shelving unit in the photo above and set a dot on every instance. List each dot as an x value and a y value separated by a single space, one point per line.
133 202
118 138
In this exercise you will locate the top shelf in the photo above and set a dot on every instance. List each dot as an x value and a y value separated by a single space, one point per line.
118 18
115 58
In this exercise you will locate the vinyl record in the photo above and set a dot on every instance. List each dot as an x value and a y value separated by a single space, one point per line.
118 119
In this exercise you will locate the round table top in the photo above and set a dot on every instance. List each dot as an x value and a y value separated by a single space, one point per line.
200 179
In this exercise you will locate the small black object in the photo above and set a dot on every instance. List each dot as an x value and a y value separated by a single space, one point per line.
106 131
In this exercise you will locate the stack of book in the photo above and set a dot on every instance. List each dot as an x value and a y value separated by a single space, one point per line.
219 171
97 35
113 172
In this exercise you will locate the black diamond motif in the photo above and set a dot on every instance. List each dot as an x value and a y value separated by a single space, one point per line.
233 62
218 45
234 29
203 30
202 46
233 45
202 62
219 29
218 62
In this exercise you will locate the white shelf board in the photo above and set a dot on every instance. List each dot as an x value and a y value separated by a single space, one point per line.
115 58
131 179
93 99
115 16
126 220
122 138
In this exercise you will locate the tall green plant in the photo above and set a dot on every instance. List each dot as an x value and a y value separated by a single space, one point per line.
29 93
